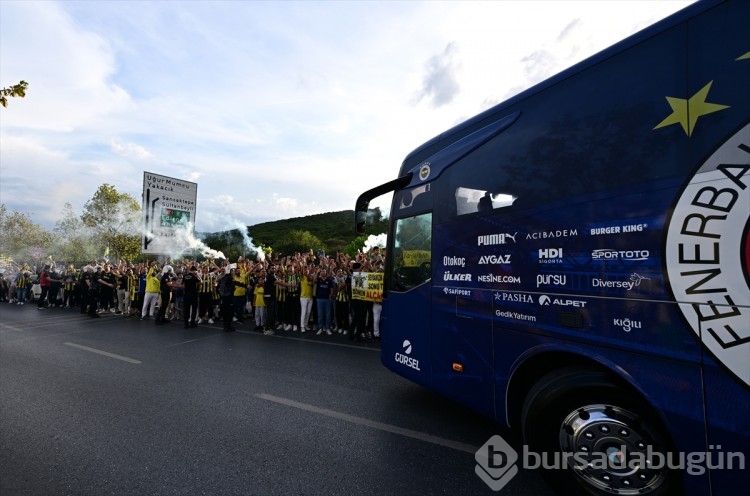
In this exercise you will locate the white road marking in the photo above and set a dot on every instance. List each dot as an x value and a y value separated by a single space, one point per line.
372 424
301 338
10 327
191 341
105 353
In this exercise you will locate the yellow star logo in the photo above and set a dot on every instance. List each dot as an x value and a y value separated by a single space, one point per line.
686 112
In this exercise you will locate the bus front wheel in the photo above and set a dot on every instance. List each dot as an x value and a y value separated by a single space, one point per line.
589 433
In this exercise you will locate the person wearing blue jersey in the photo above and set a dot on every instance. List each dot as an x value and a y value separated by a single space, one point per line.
325 286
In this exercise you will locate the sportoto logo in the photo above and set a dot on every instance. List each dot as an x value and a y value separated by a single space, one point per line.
708 253
407 347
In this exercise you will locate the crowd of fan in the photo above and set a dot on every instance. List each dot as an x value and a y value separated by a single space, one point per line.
299 293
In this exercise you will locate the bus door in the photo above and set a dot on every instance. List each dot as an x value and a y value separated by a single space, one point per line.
406 319
462 340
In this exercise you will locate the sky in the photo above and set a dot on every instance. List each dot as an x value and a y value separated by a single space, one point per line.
275 109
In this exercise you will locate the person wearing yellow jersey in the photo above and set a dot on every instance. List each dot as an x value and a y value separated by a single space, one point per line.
206 290
306 297
69 286
260 305
152 291
22 287
292 310
240 298
133 292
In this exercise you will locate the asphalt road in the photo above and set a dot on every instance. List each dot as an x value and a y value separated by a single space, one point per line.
121 406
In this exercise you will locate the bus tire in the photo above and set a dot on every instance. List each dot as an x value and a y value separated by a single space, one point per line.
584 414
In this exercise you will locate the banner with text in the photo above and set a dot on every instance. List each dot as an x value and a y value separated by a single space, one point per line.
367 286
168 208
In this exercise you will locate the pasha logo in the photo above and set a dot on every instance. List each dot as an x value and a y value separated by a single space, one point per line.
707 253
513 297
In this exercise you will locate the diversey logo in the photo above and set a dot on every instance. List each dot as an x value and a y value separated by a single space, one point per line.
496 463
633 282
404 359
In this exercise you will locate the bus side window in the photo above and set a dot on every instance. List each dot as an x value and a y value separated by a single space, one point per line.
469 201
485 202
412 252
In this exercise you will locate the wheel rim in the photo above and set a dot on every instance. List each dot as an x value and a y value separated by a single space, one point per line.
613 450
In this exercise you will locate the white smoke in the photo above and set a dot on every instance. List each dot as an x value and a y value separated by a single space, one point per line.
375 240
184 240
247 240
190 242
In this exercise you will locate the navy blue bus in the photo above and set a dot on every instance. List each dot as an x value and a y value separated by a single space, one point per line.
575 262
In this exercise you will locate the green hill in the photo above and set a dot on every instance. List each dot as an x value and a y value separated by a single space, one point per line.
335 230
331 228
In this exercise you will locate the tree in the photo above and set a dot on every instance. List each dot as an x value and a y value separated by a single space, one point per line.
74 240
17 90
230 243
114 219
20 238
355 245
298 241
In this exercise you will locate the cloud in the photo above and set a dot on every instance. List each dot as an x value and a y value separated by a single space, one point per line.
538 65
130 150
275 110
440 84
285 204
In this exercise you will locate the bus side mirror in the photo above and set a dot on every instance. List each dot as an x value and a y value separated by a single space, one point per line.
360 219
